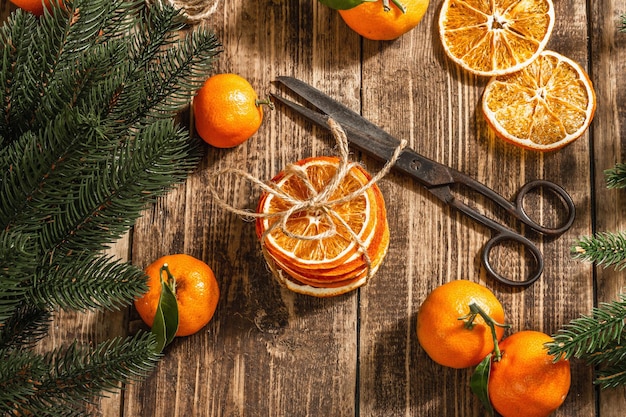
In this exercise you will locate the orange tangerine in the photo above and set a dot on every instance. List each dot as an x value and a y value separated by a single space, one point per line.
227 110
374 21
445 338
526 381
196 290
36 7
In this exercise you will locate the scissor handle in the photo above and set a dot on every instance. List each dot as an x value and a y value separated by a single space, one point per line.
505 236
564 198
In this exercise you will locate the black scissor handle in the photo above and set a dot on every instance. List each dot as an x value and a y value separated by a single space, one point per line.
564 198
503 237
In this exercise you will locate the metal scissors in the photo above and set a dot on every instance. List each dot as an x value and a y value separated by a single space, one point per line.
437 178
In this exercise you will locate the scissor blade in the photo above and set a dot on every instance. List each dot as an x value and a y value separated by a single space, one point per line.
355 136
340 113
374 141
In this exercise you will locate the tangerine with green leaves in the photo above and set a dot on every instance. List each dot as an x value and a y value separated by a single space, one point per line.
195 287
227 110
385 20
527 381
443 333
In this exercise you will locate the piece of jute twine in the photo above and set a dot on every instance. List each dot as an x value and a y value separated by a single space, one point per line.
195 10
319 202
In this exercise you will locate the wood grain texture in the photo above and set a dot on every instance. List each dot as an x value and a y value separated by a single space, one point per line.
270 352
267 351
436 106
609 134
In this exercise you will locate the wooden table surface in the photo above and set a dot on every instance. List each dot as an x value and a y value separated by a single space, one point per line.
270 352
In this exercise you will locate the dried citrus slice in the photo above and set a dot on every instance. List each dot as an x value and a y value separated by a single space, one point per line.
544 107
323 265
327 251
495 37
333 289
353 258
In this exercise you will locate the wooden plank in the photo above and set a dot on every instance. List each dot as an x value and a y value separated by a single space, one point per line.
91 328
609 77
267 351
416 93
271 352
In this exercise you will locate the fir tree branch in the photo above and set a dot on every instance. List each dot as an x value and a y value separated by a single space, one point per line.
47 163
616 177
607 249
613 353
87 141
58 382
87 282
587 335
16 46
612 377
598 340
16 266
24 328
19 372
183 65
107 202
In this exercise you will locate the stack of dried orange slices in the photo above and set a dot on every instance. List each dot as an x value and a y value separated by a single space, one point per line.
323 229
536 99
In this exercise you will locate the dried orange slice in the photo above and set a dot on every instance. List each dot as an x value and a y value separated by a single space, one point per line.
495 37
322 252
329 249
544 107
352 257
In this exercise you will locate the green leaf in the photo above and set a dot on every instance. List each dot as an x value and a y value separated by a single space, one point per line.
166 320
343 4
479 383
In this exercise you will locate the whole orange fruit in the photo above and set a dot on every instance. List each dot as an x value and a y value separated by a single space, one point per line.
374 21
442 334
526 381
227 110
196 291
33 6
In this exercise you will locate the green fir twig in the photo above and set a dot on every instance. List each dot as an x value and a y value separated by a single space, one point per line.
89 93
599 340
616 176
605 249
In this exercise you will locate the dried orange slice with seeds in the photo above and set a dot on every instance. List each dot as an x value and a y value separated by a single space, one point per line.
543 107
495 37
328 249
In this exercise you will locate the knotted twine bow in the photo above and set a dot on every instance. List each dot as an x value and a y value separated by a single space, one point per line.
195 10
319 202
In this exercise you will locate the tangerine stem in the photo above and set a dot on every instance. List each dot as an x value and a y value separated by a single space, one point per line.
476 310
387 6
170 279
265 101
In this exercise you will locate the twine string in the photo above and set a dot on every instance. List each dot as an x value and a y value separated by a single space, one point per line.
195 10
319 202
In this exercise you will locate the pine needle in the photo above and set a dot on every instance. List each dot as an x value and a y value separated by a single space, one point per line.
597 339
605 249
88 97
